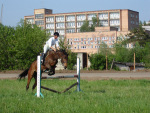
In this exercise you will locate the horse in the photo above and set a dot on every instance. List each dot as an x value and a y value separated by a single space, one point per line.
51 60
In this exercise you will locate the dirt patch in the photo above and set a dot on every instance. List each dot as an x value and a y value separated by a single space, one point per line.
74 71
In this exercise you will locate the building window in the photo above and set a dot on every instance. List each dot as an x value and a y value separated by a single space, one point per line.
79 24
60 19
81 17
103 16
39 22
49 26
71 24
60 25
70 30
50 31
60 31
78 30
103 22
90 16
114 15
133 22
109 38
114 22
30 20
49 19
136 16
70 18
39 16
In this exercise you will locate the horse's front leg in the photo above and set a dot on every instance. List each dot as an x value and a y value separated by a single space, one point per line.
52 71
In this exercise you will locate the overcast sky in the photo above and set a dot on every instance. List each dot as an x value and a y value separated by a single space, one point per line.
14 10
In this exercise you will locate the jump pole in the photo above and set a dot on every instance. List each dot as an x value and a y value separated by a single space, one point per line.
78 73
39 77
55 77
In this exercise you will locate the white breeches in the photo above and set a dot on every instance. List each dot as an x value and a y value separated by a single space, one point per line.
46 48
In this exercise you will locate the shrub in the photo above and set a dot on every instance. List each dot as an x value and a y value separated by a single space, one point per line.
72 59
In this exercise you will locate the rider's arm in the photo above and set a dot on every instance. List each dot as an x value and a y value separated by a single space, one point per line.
53 48
57 44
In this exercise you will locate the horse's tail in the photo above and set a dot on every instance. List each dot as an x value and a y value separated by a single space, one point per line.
23 74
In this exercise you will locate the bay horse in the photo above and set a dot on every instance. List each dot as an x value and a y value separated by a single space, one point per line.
51 60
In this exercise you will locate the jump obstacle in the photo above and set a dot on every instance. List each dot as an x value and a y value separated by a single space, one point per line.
56 77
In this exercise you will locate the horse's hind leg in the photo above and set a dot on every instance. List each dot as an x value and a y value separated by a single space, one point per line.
35 77
30 75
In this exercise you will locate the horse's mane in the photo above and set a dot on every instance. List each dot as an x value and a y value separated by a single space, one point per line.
63 51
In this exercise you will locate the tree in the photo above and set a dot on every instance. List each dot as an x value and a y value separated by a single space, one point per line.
104 49
71 56
144 23
20 45
89 28
85 27
140 23
138 34
63 44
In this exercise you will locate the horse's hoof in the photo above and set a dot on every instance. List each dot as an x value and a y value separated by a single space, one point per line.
50 74
27 88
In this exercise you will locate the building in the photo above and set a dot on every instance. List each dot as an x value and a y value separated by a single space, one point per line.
64 23
113 24
90 42
146 28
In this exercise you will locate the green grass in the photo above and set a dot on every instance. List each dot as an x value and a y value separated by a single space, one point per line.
103 96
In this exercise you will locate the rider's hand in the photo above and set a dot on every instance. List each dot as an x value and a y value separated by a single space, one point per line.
55 50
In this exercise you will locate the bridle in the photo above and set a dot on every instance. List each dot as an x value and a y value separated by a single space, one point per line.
60 57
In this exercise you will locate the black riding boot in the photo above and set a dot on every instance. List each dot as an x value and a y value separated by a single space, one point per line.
43 58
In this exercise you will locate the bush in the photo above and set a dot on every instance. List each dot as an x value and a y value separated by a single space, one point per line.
142 54
98 62
72 60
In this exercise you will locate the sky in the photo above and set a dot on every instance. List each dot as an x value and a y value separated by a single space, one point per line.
14 10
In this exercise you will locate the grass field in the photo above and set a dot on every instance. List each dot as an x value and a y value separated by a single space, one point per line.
103 96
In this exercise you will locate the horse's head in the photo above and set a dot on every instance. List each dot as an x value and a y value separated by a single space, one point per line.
64 57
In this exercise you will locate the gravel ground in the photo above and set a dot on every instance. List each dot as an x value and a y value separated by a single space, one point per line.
90 75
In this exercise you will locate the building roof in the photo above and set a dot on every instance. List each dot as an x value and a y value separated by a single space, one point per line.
91 11
82 12
130 64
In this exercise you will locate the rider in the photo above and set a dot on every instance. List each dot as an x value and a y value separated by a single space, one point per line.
50 43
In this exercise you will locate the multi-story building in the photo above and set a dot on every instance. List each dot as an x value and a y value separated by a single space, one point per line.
90 42
113 24
123 19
